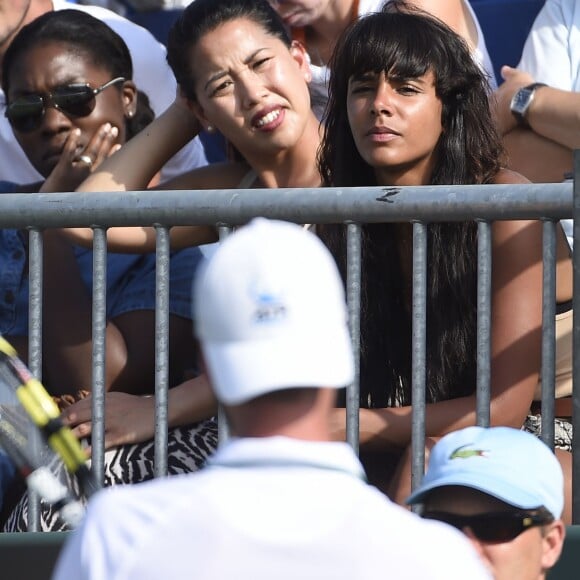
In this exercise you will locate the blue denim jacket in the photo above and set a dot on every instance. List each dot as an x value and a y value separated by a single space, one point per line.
130 280
130 286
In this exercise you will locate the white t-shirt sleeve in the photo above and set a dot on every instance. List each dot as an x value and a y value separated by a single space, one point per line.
105 541
465 562
546 54
85 553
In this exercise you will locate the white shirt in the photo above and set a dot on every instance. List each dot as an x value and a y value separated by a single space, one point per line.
273 508
151 74
551 53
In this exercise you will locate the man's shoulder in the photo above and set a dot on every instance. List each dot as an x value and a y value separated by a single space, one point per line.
445 552
129 495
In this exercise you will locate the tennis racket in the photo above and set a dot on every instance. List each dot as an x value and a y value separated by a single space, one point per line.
45 415
33 464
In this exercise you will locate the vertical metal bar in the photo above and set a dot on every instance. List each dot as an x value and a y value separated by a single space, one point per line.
419 355
223 429
483 390
576 346
548 332
35 280
353 290
99 350
162 253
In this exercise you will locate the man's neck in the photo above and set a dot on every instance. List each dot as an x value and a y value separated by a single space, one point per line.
302 414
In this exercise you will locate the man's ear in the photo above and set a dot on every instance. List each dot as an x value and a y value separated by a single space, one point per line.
300 55
553 542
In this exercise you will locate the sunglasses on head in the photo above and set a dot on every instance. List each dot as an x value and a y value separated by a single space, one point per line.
25 113
493 527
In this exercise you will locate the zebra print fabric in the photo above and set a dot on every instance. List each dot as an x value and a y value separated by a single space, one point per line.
188 449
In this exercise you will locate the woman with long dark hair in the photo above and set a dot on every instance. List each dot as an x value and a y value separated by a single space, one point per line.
408 106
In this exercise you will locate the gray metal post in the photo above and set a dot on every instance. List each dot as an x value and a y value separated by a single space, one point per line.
548 373
484 267
99 349
35 281
353 289
223 429
161 349
419 356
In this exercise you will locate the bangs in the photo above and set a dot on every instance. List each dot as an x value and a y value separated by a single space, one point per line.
383 45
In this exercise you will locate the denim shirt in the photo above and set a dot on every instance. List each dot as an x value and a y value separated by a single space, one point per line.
130 279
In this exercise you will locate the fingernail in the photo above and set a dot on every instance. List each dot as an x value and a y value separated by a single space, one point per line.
114 131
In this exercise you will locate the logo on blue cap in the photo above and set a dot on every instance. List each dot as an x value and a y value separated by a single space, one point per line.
463 453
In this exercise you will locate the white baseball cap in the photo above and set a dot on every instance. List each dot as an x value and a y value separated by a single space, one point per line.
270 313
509 464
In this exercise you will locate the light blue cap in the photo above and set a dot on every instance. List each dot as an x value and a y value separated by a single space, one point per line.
508 464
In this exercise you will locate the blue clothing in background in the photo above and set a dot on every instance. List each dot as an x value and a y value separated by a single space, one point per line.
130 281
7 473
130 286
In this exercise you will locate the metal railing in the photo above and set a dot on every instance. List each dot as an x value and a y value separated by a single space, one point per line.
350 206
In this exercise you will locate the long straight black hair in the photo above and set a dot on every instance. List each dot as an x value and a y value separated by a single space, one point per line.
407 43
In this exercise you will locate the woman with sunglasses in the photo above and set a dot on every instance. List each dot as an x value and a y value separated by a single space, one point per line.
71 102
408 106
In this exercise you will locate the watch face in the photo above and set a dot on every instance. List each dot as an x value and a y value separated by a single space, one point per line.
520 101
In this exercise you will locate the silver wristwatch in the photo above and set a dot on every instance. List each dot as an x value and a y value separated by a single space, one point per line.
522 100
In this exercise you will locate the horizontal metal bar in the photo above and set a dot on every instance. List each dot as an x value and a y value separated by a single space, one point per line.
322 205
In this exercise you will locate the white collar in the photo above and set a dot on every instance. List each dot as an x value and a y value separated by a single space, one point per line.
287 452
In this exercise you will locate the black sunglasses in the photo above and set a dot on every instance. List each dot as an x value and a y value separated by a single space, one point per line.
25 113
493 527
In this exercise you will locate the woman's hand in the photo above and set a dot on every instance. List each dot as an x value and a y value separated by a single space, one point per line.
76 163
128 418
